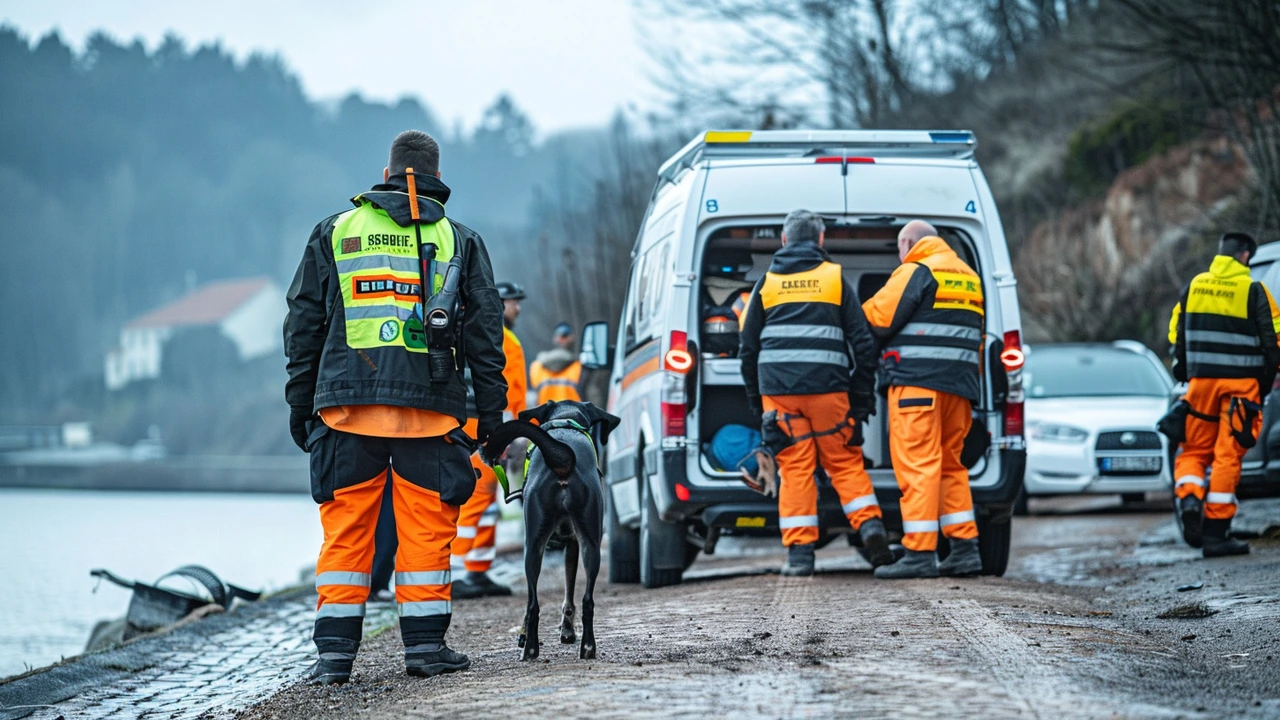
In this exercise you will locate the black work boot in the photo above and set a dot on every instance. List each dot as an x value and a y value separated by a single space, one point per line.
477 584
432 659
1191 512
799 560
876 542
334 664
1217 543
912 565
964 560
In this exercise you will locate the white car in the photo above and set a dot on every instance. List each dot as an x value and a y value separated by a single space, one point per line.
1091 414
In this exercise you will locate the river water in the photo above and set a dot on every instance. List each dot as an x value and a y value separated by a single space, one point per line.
51 539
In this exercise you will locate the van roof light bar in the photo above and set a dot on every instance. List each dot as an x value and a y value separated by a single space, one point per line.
868 144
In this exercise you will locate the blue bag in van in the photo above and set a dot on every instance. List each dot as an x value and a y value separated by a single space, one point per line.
731 444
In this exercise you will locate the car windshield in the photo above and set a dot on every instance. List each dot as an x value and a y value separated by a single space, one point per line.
1092 372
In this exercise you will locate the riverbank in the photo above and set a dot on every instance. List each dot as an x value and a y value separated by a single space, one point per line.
193 473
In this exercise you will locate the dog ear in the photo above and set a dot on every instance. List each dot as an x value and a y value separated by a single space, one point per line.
540 413
600 419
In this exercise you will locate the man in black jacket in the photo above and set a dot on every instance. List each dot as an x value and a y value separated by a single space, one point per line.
808 355
377 397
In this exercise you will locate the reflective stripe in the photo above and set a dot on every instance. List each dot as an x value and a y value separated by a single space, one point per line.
426 608
482 553
340 610
821 357
1220 498
956 518
798 521
925 352
1227 359
487 521
456 562
860 502
919 526
398 263
557 382
941 330
424 577
372 312
1223 338
1190 480
816 332
341 577
466 531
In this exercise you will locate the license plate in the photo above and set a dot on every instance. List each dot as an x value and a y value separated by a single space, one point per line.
1147 464
750 522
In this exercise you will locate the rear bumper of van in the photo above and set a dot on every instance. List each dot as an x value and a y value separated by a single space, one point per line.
736 507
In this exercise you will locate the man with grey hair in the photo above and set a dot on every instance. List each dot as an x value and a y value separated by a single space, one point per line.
808 359
928 319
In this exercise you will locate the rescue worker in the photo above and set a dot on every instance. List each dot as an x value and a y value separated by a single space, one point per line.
474 549
371 387
556 374
928 320
1224 337
808 356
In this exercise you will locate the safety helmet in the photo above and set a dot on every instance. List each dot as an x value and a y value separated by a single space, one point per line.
510 291
720 332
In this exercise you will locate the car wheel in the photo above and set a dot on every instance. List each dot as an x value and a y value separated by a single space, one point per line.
657 539
994 539
624 550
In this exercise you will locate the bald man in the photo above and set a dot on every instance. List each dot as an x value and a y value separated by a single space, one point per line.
928 322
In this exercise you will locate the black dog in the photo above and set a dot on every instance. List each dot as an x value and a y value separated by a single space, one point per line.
563 497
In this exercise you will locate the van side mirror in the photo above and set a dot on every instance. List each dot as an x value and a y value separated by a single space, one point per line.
595 346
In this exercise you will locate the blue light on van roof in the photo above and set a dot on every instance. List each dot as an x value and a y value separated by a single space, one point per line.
951 137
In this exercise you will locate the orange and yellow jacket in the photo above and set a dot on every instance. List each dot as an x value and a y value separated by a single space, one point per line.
1226 326
928 318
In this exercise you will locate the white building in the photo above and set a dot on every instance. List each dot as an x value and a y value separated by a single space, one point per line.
249 312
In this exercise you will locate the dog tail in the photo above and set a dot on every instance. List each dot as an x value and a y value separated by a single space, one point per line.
558 456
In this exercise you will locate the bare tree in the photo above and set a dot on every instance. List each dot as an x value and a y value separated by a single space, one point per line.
1232 49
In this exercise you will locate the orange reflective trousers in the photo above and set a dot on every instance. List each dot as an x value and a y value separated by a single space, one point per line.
430 479
926 435
821 427
1210 444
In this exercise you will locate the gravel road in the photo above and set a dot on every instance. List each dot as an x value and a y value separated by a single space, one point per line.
1073 630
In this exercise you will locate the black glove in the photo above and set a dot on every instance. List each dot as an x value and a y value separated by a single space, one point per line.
486 425
298 419
756 408
861 406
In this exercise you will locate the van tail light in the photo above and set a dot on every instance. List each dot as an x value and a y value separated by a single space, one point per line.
1013 359
676 364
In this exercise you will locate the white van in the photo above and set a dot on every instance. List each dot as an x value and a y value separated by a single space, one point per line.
718 206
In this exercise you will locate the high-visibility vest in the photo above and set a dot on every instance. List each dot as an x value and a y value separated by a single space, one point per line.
940 346
564 385
380 271
802 343
1221 339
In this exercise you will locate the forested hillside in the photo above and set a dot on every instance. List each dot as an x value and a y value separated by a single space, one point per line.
128 175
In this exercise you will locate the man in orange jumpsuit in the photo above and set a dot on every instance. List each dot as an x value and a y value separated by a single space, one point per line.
1224 337
928 318
556 374
474 548
376 397
807 355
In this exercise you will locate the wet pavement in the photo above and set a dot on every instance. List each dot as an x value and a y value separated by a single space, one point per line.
1089 622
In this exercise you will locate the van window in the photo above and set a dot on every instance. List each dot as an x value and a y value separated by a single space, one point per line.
634 294
649 285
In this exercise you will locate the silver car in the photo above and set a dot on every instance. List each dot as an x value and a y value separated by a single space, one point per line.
1091 415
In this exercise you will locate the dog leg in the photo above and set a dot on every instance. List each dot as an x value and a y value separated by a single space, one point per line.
591 562
567 635
536 534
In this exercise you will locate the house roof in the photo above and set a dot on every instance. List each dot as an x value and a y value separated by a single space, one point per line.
208 305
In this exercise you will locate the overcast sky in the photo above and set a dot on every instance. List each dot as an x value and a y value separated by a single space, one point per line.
568 63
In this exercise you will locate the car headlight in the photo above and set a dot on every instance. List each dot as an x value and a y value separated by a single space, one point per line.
1057 433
